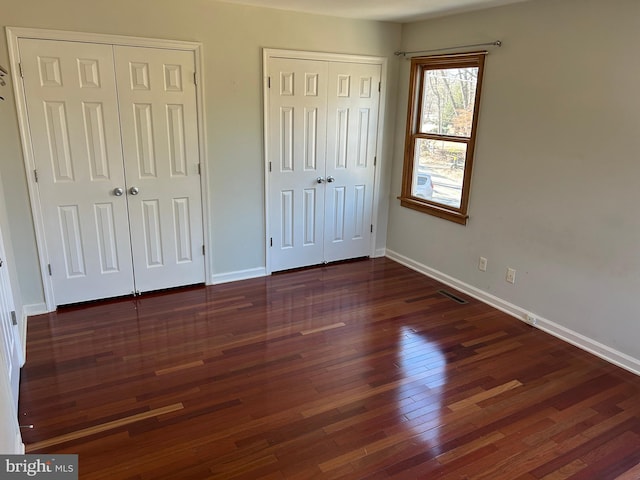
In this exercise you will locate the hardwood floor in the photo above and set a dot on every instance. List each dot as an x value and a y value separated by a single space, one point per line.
356 370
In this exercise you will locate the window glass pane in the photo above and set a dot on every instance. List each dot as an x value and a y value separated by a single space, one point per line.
438 171
448 100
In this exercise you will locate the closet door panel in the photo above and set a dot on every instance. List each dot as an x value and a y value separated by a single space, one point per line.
297 150
157 102
353 106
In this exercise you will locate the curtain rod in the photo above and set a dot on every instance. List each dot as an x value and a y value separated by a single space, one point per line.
497 43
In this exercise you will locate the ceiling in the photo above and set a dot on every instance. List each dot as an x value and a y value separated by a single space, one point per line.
384 10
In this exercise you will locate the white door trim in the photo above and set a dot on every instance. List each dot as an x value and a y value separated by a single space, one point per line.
13 35
267 54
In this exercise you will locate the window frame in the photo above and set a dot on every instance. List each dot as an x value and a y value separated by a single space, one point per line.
420 65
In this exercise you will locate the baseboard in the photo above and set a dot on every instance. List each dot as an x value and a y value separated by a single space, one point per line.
239 275
380 252
35 309
27 311
598 349
574 338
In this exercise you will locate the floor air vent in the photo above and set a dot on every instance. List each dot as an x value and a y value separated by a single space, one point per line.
453 297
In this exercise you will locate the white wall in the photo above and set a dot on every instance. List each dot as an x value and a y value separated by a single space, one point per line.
232 38
555 183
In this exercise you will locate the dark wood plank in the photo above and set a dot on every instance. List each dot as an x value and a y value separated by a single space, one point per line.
354 370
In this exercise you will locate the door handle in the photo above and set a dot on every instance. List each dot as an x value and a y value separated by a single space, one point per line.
319 179
330 179
134 190
118 191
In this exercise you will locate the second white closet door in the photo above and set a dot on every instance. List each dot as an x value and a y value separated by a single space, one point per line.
322 133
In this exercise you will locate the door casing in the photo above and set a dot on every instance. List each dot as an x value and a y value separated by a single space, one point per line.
13 35
267 54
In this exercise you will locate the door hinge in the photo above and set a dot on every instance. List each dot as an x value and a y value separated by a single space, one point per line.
49 269
195 78
268 82
379 87
199 169
372 228
14 319
35 175
271 242
20 70
375 161
202 249
269 166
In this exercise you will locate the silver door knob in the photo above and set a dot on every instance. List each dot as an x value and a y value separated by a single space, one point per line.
319 179
134 190
118 191
330 179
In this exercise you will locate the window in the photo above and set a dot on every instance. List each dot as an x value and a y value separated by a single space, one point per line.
441 126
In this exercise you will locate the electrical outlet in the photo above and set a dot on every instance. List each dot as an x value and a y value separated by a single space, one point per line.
511 275
482 264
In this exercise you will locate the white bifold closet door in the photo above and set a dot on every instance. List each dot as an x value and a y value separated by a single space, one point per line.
115 143
11 359
322 135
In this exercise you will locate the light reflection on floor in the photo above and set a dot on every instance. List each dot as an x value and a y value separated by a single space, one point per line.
421 359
